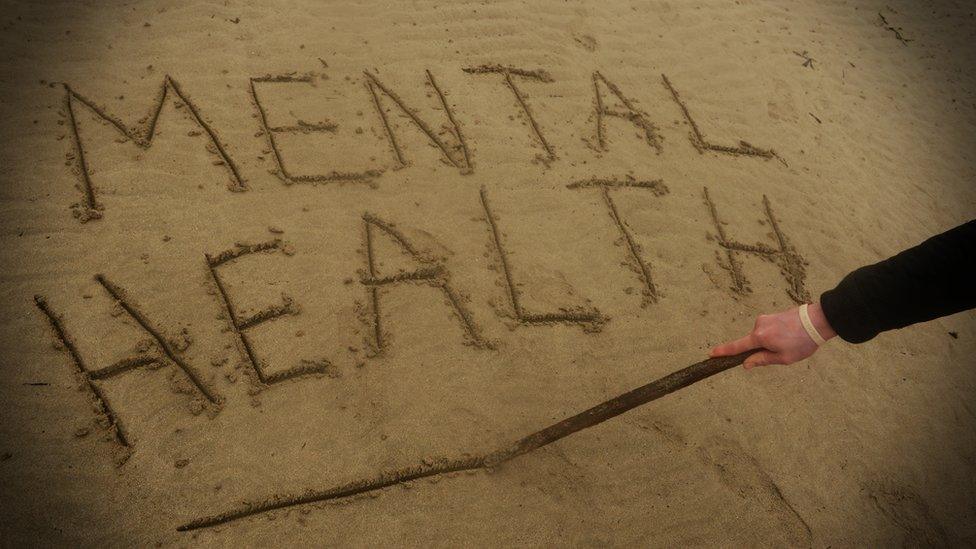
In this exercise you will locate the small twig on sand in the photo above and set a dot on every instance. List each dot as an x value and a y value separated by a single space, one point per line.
807 60
896 30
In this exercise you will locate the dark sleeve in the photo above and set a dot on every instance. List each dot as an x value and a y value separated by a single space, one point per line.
934 279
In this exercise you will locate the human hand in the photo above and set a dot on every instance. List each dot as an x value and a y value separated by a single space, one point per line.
779 338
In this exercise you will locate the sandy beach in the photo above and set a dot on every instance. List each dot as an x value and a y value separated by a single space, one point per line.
253 252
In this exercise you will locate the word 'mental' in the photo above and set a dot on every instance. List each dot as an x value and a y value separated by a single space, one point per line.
446 135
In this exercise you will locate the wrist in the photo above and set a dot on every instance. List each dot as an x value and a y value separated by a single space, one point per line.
820 322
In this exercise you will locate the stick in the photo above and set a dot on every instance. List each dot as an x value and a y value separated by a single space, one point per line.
597 414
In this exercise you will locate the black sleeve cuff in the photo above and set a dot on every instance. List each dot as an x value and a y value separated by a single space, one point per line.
847 313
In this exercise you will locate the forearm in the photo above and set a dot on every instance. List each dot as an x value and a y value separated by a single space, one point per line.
933 279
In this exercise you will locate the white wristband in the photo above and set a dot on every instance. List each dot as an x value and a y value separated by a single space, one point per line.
809 327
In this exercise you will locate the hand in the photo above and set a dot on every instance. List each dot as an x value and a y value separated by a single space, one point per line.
780 338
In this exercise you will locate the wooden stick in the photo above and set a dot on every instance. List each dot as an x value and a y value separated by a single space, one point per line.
597 414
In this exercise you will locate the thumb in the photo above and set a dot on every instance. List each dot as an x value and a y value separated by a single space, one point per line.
762 358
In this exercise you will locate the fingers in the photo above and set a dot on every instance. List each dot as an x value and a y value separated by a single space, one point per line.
763 358
735 347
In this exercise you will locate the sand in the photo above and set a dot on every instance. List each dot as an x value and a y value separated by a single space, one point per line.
252 252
